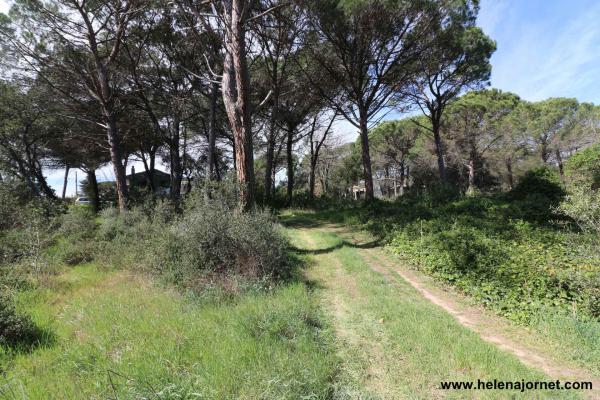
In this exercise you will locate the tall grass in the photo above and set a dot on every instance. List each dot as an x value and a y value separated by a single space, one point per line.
120 336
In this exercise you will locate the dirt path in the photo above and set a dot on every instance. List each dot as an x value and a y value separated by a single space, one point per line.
490 328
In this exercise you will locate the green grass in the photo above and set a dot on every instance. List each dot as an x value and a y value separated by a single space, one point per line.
395 335
117 335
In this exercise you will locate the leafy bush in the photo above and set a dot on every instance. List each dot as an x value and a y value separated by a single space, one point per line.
15 328
211 240
517 267
539 183
78 223
582 203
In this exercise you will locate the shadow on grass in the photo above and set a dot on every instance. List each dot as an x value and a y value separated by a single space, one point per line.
29 342
369 245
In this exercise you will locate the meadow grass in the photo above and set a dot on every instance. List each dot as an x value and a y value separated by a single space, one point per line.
118 335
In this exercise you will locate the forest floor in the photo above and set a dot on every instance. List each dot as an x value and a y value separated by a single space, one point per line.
400 334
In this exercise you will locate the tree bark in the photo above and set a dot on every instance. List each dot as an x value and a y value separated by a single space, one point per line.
93 182
149 170
559 161
471 167
176 169
366 157
212 131
236 89
509 172
311 180
439 151
290 165
116 157
65 181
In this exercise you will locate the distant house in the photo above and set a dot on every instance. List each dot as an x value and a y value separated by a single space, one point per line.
162 181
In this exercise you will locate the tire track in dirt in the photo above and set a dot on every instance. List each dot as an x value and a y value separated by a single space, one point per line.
470 317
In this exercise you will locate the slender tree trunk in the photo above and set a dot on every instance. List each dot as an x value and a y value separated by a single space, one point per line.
402 177
148 169
116 157
471 167
271 145
269 167
559 161
236 89
366 157
439 151
175 162
93 182
311 179
212 131
65 182
509 172
290 165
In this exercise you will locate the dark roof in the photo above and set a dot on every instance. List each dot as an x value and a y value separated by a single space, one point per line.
161 179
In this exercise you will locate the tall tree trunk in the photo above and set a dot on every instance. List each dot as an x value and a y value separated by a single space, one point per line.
290 165
149 171
366 157
509 172
175 162
311 179
559 161
272 135
116 157
65 182
544 153
269 158
402 178
93 182
236 89
439 151
212 131
471 186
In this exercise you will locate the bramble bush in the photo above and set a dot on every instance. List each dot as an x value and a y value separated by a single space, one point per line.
511 252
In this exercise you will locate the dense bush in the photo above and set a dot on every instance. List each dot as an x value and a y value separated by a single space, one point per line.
15 329
582 203
539 182
482 246
211 240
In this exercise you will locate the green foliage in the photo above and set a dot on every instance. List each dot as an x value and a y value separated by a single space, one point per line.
15 328
212 239
540 181
582 203
536 195
583 168
479 244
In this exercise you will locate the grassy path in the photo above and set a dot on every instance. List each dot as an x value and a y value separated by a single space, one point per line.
399 337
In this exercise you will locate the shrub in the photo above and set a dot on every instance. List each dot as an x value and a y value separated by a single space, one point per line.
539 182
513 266
582 203
15 328
212 241
78 223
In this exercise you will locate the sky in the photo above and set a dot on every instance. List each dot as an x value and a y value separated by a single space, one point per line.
545 48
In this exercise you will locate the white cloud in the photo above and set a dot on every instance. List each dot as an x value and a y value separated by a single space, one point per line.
3 6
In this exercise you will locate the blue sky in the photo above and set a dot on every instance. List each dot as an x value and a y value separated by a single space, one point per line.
546 48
